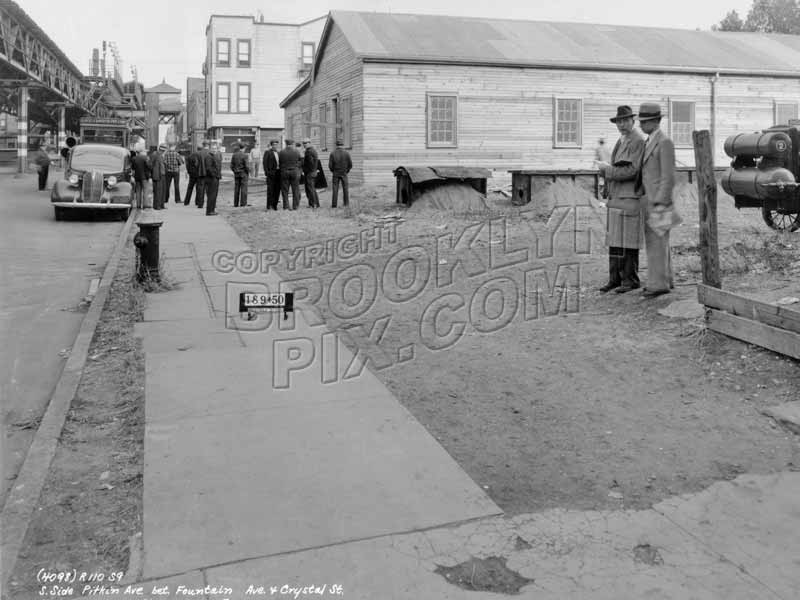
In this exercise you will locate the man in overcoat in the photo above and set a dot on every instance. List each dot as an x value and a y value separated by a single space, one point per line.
624 235
241 173
340 163
289 159
658 178
158 173
196 172
273 175
310 162
212 161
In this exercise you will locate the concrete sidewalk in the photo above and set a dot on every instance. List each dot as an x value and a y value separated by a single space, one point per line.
252 482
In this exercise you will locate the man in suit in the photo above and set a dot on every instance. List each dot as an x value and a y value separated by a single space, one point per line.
158 173
272 173
141 174
289 160
212 162
658 178
340 164
241 173
196 172
310 161
624 223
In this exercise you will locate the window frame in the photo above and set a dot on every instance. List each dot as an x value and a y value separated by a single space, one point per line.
776 110
303 46
578 143
672 122
323 128
239 86
249 62
346 118
218 62
227 85
429 96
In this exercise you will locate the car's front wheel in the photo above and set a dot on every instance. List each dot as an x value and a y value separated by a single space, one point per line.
59 212
124 214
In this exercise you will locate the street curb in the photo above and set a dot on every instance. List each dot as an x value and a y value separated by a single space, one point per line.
24 495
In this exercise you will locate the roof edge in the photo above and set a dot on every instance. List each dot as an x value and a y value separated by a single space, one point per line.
295 92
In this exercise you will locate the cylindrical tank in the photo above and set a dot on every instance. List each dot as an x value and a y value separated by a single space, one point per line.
772 143
755 183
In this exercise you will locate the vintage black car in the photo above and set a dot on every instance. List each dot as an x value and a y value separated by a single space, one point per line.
97 177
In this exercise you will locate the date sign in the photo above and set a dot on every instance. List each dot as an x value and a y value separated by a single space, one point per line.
253 303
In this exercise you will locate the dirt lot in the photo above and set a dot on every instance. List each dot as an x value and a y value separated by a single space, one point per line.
91 503
598 401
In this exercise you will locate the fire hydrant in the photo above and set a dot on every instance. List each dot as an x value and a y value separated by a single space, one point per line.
147 242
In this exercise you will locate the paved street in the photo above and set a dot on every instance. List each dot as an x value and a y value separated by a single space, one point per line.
47 268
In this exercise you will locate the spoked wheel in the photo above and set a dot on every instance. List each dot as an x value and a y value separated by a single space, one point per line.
781 220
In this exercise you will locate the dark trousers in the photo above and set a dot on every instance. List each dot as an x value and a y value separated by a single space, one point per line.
159 187
273 189
335 193
138 193
44 171
176 177
290 177
623 264
240 191
194 182
212 188
311 191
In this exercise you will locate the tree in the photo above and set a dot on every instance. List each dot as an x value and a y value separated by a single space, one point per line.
767 16
731 22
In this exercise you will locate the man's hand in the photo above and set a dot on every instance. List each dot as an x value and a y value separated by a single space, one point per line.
602 165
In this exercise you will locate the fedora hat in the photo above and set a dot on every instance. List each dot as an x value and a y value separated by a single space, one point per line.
623 112
649 110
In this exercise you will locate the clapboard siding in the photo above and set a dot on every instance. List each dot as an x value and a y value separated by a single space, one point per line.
338 75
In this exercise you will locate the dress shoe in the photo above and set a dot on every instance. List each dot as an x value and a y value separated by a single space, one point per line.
654 293
607 287
625 288
211 214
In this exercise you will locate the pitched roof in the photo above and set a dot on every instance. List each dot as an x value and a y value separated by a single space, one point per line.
163 88
452 39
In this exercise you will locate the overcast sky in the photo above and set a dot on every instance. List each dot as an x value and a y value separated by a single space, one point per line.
165 39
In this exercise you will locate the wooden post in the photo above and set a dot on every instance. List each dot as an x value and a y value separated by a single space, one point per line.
707 198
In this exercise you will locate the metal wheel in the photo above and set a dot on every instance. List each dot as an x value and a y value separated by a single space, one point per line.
124 214
781 220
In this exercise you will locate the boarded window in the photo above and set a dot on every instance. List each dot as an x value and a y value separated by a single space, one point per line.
442 121
567 122
243 97
346 118
243 53
307 124
223 97
323 130
682 122
223 52
784 112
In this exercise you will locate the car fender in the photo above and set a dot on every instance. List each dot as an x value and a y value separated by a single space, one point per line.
63 191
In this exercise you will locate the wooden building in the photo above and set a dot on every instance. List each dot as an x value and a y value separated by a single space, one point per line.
443 90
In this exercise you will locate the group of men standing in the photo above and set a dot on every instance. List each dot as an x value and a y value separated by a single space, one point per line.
282 169
640 177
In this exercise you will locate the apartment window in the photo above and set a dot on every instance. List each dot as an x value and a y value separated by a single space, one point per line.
243 53
308 54
243 97
567 122
784 112
682 122
346 120
223 52
223 97
323 129
442 120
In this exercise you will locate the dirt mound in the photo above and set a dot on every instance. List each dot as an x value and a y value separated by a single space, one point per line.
561 193
451 197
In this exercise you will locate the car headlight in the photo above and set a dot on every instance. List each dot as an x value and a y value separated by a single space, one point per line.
73 179
112 181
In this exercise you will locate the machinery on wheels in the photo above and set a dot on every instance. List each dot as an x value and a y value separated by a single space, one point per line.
765 174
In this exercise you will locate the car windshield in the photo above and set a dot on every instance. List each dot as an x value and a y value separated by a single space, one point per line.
88 159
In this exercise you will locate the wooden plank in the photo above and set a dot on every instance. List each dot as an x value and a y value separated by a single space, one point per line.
770 314
753 332
707 199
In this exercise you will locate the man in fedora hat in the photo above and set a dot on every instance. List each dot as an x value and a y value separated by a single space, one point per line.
658 179
624 224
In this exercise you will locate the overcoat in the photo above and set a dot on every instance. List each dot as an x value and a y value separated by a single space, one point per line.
625 222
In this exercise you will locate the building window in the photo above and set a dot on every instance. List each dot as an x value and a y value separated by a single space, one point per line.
308 54
223 97
567 122
243 53
784 112
442 121
243 97
223 53
346 119
307 124
682 122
